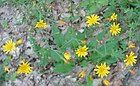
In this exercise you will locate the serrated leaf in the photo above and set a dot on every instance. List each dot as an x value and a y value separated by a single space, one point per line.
93 43
58 37
56 55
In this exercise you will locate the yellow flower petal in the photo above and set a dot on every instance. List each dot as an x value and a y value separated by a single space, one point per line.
67 56
132 71
132 45
66 61
18 42
41 24
113 17
106 82
6 69
62 22
83 41
81 74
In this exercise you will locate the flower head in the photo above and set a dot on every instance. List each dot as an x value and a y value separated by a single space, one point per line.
18 42
130 59
25 68
67 56
93 19
6 69
41 24
132 72
106 82
115 29
62 22
113 17
132 45
81 51
81 74
102 70
91 77
10 45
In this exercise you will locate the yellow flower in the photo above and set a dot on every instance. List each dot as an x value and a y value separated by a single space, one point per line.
131 59
102 70
18 42
62 22
83 41
81 74
91 78
6 69
67 56
93 19
132 71
41 24
115 29
81 51
113 17
132 45
24 67
106 82
10 45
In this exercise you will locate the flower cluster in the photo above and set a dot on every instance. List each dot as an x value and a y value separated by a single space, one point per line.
115 29
24 67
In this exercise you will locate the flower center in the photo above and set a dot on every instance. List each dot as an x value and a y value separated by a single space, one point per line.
41 24
114 28
82 50
129 58
101 70
93 20
11 47
24 68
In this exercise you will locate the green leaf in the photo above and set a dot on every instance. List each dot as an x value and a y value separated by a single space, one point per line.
43 53
95 57
57 56
58 37
4 24
93 43
80 36
89 82
109 60
7 61
62 68
70 34
85 3
84 63
13 77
